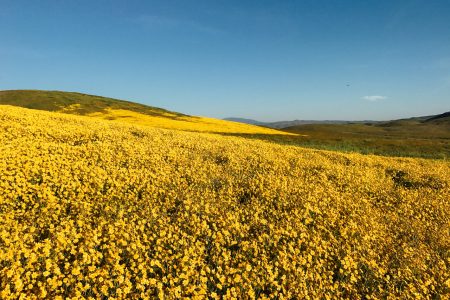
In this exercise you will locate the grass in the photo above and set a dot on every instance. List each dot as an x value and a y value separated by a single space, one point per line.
407 138
412 138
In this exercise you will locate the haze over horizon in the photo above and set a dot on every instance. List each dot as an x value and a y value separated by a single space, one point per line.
262 60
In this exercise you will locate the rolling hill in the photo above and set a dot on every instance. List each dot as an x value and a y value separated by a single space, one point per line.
124 111
441 119
421 136
426 136
75 103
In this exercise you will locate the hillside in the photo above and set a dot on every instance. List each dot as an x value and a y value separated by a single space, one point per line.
123 111
440 119
101 209
424 137
75 103
409 137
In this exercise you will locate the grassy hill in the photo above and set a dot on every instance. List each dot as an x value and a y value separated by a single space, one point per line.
439 119
75 103
421 137
436 119
427 136
123 111
91 208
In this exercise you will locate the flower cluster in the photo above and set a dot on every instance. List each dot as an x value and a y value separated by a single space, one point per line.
170 120
92 209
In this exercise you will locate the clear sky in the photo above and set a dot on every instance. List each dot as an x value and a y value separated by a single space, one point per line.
267 60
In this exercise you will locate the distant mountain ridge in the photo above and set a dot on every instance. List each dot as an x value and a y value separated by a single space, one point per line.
246 121
443 118
285 124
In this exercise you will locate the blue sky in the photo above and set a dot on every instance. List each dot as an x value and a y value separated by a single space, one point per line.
267 60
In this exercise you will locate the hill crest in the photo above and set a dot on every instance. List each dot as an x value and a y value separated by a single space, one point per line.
124 111
74 102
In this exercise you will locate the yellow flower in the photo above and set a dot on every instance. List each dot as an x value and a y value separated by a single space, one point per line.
76 271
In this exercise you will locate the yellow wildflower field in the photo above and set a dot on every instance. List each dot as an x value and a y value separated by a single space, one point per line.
185 123
92 209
